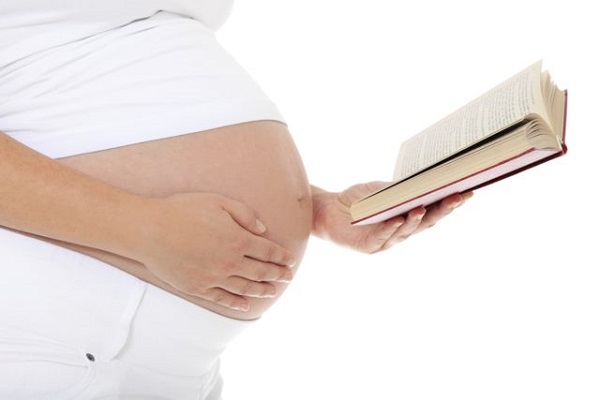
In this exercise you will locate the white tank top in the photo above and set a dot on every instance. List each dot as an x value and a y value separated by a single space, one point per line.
78 76
28 26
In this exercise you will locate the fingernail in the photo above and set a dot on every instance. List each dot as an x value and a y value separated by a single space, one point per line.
260 226
399 222
466 196
457 204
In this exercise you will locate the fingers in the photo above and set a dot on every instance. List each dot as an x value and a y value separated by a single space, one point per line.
411 224
259 248
213 248
375 240
226 299
253 276
236 291
244 216
442 209
248 288
419 219
264 262
349 196
263 249
259 271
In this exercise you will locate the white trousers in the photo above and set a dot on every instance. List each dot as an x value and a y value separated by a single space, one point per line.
72 327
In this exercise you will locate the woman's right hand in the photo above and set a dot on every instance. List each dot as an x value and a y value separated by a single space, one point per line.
209 246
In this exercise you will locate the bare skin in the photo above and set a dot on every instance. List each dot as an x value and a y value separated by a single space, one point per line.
267 175
220 218
203 244
256 164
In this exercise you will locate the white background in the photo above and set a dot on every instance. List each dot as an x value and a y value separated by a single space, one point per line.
499 301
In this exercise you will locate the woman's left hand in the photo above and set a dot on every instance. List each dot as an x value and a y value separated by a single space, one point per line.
332 219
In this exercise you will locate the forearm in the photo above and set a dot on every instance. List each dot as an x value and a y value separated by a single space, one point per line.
39 195
131 267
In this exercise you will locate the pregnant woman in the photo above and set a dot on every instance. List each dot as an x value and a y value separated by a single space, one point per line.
152 201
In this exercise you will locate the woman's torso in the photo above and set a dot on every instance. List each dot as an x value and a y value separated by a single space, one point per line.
255 163
157 107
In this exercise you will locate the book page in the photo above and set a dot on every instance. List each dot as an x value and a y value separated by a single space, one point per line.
502 106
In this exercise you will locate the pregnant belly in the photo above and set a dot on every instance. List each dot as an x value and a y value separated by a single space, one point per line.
255 163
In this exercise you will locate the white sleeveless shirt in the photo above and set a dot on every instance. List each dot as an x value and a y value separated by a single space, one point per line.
78 76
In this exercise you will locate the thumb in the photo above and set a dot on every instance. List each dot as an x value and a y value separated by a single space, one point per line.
357 192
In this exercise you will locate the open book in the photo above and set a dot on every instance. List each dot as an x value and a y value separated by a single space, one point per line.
514 126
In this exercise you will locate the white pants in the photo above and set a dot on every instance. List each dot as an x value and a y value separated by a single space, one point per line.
72 327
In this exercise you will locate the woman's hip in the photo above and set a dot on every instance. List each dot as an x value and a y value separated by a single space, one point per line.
66 314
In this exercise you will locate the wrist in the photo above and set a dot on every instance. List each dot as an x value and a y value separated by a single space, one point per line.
321 200
134 232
